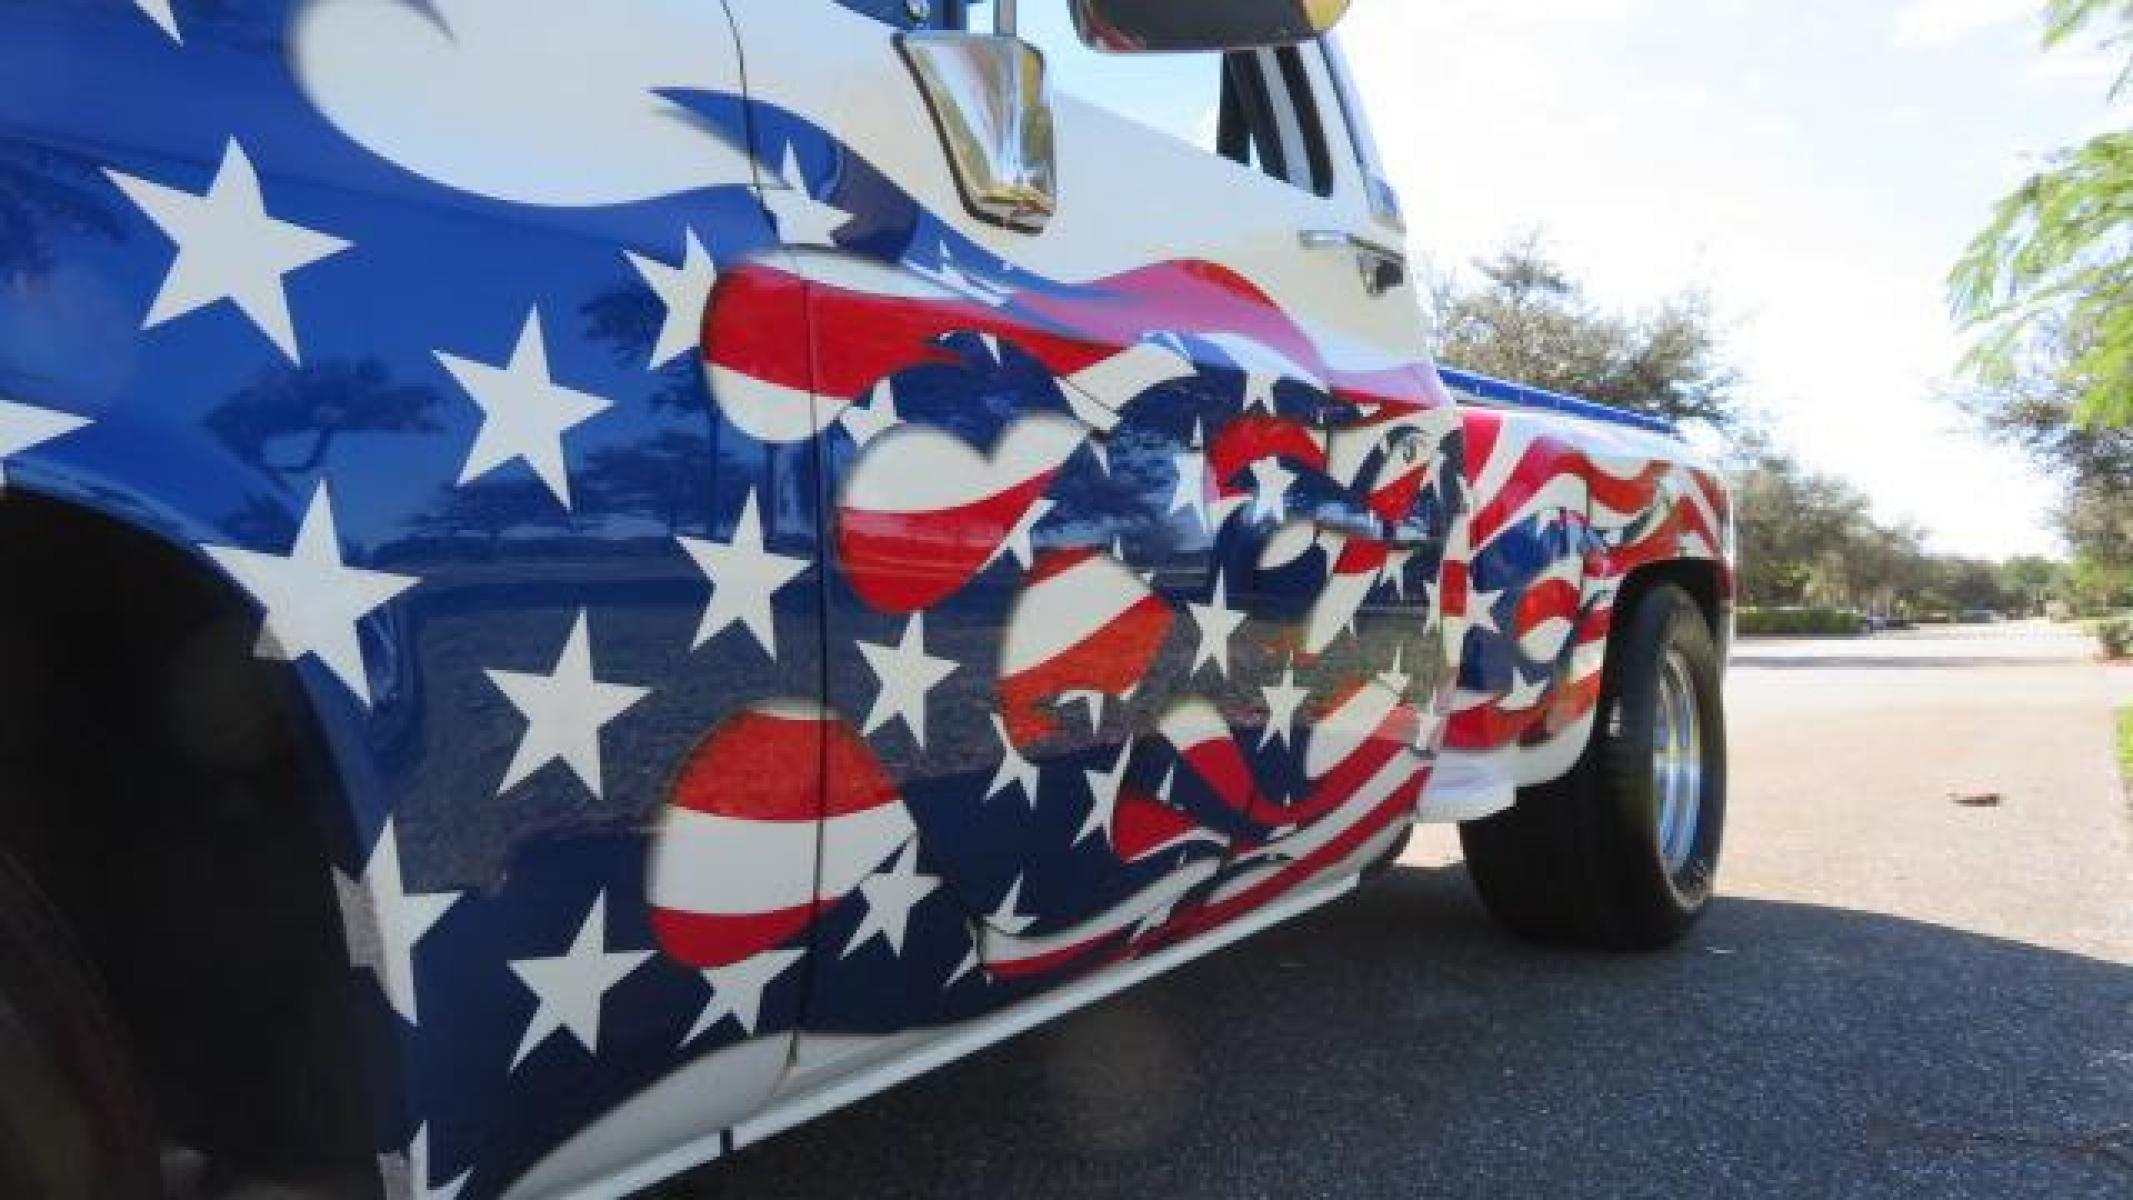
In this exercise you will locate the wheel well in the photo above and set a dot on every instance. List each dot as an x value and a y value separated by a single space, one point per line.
166 790
1698 577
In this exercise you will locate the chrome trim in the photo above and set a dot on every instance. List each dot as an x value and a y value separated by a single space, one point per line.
1383 268
994 114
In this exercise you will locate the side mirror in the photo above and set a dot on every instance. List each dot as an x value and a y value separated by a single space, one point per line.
1186 26
989 102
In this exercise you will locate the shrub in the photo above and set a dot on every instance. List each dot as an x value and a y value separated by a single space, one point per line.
2116 635
1800 622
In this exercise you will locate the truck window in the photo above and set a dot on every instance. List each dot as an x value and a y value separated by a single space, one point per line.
1254 108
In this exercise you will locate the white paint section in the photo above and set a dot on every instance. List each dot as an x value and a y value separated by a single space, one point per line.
921 469
229 249
1067 609
539 102
314 600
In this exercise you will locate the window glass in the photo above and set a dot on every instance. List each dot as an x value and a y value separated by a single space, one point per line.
1180 95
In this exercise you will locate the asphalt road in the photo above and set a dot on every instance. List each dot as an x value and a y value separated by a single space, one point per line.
1896 995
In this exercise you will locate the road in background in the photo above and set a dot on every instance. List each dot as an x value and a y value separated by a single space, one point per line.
1897 995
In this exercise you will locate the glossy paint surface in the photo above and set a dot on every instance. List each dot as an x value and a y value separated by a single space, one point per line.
763 620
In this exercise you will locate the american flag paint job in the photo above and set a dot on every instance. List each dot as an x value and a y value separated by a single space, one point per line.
753 612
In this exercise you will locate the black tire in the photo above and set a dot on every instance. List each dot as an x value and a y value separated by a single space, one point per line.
73 1123
1579 861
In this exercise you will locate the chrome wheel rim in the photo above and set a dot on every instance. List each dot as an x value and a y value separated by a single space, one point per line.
1677 765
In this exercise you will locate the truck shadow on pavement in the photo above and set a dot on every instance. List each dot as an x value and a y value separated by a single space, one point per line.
1396 1044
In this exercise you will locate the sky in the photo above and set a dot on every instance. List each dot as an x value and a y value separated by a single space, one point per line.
1817 165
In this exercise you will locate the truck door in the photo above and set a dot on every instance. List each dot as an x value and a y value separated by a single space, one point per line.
1111 613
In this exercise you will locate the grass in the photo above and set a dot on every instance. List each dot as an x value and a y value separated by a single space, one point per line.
2125 744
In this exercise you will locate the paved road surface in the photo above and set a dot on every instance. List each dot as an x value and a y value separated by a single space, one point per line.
1897 995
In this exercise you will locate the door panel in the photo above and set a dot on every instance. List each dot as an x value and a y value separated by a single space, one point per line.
1130 528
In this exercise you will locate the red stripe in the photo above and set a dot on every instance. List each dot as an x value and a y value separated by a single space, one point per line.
1112 662
708 940
904 563
1143 825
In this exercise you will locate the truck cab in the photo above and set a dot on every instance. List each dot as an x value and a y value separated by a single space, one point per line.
595 582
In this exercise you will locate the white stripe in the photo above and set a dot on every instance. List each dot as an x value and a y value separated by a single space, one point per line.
1342 733
706 863
1118 380
919 469
1194 723
1068 609
1001 949
769 412
1390 778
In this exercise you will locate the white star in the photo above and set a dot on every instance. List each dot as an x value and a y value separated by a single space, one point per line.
314 600
1218 623
1481 610
1259 390
1020 539
1397 680
1395 572
907 673
1104 787
744 577
565 711
865 422
737 991
1191 493
963 969
890 897
1015 770
1090 697
802 219
572 986
24 426
159 12
1523 695
228 248
1006 918
1102 451
418 1172
525 413
1283 701
685 291
1270 490
397 920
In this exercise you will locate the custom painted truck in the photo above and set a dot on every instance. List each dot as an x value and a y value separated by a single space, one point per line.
585 583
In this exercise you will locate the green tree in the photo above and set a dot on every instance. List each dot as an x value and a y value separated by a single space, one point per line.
1527 319
2051 276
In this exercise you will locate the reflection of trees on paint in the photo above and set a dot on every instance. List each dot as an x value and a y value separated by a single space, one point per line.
489 509
667 477
47 195
314 405
629 317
